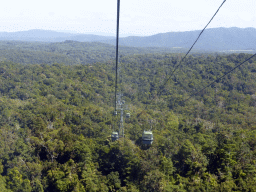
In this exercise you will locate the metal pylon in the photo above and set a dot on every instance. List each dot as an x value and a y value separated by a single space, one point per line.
122 107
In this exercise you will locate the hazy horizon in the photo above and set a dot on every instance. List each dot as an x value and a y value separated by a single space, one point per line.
108 34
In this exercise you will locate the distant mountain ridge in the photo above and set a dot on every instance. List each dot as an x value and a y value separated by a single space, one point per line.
213 39
49 36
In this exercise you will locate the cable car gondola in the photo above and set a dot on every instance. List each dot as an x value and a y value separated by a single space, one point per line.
114 136
147 138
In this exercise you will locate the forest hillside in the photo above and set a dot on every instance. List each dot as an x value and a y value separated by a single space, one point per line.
69 52
56 121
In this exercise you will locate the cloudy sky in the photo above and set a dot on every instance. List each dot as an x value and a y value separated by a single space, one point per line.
138 17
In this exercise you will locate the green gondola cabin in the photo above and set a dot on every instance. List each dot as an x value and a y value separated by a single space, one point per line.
147 137
114 136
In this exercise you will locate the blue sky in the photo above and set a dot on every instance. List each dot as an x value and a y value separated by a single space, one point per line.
138 17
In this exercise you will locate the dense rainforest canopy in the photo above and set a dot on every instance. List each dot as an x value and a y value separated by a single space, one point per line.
69 52
56 121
